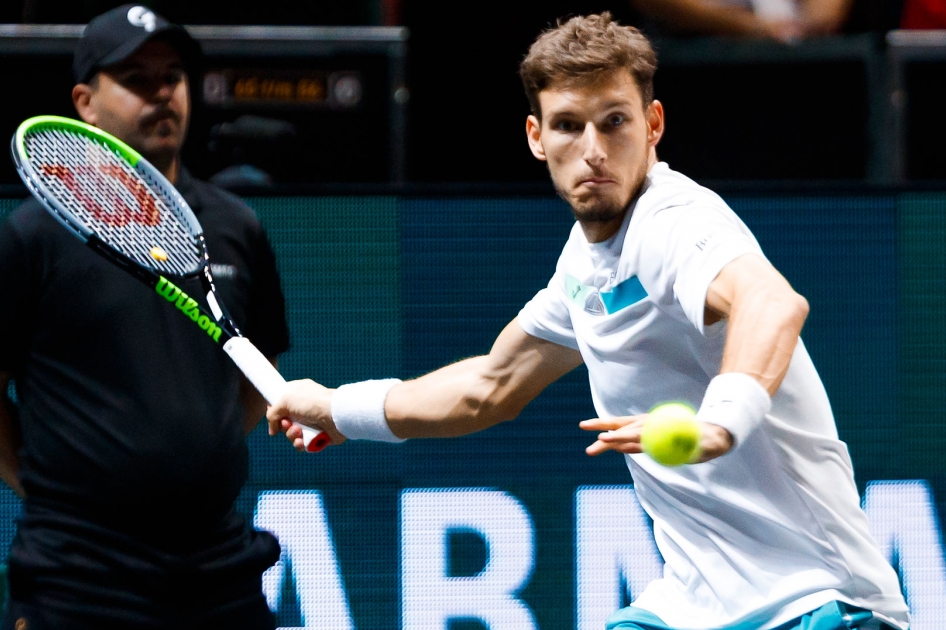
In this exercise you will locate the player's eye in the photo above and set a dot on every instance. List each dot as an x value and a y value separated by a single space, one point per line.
565 126
616 120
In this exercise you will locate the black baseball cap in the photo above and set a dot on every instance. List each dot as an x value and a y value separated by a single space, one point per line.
115 35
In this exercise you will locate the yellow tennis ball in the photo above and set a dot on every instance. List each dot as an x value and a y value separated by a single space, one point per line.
671 434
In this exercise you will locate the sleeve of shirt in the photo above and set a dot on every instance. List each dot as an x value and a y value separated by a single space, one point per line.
546 315
266 323
15 311
691 245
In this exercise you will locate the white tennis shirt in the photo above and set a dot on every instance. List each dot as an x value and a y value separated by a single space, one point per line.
767 532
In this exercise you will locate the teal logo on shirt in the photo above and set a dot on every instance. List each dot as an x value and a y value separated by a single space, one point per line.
624 294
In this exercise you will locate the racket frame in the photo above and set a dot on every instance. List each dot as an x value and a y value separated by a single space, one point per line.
247 357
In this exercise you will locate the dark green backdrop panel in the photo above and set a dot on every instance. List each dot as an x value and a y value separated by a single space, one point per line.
922 302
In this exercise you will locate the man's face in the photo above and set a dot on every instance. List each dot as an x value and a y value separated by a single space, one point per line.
598 140
143 100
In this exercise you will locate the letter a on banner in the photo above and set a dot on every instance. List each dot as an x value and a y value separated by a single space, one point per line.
298 520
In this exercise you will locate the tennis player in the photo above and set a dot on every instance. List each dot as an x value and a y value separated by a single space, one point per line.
127 439
664 294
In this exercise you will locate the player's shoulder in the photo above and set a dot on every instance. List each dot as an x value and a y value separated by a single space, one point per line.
670 198
666 188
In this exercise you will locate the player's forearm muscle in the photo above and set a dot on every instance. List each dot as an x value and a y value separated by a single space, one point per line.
765 318
480 392
10 439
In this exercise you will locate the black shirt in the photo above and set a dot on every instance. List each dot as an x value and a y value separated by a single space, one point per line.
131 417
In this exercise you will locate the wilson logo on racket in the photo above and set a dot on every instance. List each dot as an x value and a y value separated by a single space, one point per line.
187 305
84 178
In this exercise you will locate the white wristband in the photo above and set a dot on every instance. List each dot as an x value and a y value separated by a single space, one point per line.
735 401
358 410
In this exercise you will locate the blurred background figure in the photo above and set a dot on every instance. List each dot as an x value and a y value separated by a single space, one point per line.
924 14
212 11
784 20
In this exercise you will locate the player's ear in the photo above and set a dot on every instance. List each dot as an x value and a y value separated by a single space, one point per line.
655 122
82 100
534 134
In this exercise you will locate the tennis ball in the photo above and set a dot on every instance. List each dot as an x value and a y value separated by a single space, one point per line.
671 434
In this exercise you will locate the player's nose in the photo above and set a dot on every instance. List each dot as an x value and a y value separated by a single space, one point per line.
593 152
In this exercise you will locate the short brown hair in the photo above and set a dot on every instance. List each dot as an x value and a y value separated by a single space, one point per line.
576 52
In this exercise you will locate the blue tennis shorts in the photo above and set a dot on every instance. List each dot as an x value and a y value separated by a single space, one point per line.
831 616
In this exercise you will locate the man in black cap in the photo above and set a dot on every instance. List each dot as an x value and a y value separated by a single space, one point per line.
131 70
126 439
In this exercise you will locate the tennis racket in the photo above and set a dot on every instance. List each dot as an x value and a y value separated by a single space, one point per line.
111 198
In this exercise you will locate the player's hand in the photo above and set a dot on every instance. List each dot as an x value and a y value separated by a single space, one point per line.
305 402
623 434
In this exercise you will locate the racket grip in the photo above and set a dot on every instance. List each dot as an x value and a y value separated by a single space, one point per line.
270 383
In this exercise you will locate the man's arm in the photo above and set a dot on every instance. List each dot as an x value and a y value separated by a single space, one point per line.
765 319
10 438
709 17
824 17
458 399
254 405
480 392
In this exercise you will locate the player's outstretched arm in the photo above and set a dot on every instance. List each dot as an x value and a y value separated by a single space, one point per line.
461 398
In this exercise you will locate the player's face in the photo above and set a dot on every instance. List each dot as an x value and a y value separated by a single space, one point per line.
143 100
599 142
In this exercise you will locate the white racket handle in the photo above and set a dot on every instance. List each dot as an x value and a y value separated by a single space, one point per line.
270 383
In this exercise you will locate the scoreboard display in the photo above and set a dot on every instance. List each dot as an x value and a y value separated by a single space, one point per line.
300 104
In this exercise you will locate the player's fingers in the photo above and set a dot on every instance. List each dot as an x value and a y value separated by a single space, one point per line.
626 439
627 433
597 447
279 426
611 424
293 432
597 424
276 425
601 424
275 414
604 445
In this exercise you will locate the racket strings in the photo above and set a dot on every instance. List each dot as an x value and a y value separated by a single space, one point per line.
104 193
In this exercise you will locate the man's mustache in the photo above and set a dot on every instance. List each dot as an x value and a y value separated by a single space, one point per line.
160 114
